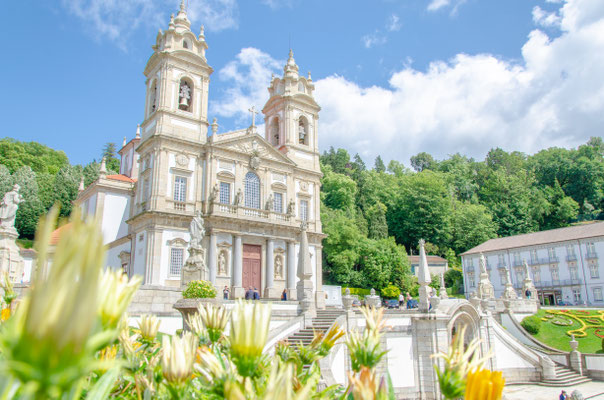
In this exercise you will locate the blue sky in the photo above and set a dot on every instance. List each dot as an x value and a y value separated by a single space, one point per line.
394 77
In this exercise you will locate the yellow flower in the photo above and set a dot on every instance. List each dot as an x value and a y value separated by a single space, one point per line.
249 332
115 294
484 385
5 314
149 325
178 357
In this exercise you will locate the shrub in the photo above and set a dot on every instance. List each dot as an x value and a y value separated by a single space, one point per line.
359 291
199 290
602 344
531 324
391 292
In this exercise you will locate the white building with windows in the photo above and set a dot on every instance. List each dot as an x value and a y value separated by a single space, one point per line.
565 263
254 189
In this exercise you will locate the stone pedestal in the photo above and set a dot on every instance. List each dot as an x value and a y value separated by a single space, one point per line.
194 268
188 307
575 357
320 299
10 257
424 296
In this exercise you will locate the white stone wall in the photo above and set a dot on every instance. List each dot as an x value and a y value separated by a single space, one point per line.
116 210
113 255
584 282
167 236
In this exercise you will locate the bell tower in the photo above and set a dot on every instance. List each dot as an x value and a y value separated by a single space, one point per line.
178 77
291 116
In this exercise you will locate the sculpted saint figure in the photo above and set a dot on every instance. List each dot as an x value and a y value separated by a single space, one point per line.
238 198
301 133
291 207
9 206
222 264
197 230
278 268
214 194
269 203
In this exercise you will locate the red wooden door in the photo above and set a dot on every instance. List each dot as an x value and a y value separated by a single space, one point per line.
251 266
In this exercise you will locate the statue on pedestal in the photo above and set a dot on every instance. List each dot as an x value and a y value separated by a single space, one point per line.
509 293
485 287
8 208
195 266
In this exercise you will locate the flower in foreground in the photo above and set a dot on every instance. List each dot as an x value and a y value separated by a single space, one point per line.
149 325
249 333
483 384
178 357
366 386
214 319
115 294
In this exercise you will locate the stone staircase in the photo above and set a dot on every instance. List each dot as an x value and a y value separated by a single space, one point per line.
565 377
321 323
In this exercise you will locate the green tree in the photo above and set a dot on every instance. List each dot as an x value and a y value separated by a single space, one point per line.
471 224
111 160
65 188
338 191
15 154
421 211
341 247
376 221
379 165
6 180
382 262
338 160
30 209
422 161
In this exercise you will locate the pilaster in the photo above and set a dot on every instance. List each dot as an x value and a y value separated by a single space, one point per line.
212 258
269 289
291 271
237 291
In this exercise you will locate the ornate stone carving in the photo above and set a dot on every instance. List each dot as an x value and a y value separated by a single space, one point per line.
195 266
182 161
184 96
222 262
291 208
304 186
213 194
279 267
268 206
255 156
8 208
238 197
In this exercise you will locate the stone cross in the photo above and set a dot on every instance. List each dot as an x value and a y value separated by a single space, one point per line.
254 112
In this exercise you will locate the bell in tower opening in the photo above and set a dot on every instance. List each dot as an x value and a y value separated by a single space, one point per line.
184 96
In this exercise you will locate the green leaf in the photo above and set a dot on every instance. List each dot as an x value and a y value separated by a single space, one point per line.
103 386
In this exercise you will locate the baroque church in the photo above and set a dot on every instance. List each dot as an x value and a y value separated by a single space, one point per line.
254 190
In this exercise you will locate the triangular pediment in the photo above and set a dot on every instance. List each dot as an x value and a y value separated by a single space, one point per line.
253 144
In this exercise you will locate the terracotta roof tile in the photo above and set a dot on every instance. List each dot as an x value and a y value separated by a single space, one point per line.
56 234
539 238
430 259
121 177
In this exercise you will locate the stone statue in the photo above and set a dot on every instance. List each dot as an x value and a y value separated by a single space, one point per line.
213 194
184 95
485 287
222 263
197 230
9 206
509 293
291 208
194 268
268 206
278 268
238 198
301 134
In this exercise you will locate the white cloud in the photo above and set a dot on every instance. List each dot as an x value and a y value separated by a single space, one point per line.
545 18
394 23
248 77
436 5
275 4
116 20
553 96
373 39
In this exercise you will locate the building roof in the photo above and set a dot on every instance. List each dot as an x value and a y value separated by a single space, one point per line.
431 260
577 232
56 234
120 177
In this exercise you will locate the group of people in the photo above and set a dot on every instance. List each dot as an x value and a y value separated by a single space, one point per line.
405 300
250 294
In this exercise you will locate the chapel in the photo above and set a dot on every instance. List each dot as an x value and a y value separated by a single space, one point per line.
255 191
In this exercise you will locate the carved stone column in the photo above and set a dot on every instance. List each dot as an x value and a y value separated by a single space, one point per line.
269 289
212 258
238 290
291 271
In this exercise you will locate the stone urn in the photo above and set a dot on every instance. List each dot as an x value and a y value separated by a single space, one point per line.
372 300
347 300
188 307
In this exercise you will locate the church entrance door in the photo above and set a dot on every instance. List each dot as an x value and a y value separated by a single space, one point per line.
251 266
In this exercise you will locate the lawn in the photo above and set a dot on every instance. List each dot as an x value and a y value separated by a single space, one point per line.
586 323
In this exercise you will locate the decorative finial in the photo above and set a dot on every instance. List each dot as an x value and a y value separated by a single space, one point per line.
309 77
214 127
182 5
202 33
254 112
124 142
81 187
171 25
138 131
103 169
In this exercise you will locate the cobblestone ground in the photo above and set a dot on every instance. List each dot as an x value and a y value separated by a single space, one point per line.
535 392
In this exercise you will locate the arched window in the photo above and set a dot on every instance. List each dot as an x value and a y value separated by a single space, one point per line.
252 190
274 135
185 95
185 45
301 88
302 131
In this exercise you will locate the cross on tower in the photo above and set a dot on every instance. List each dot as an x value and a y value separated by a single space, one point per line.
254 112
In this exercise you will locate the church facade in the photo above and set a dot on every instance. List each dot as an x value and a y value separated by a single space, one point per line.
253 189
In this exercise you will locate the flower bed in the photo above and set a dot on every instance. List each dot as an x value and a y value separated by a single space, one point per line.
558 325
